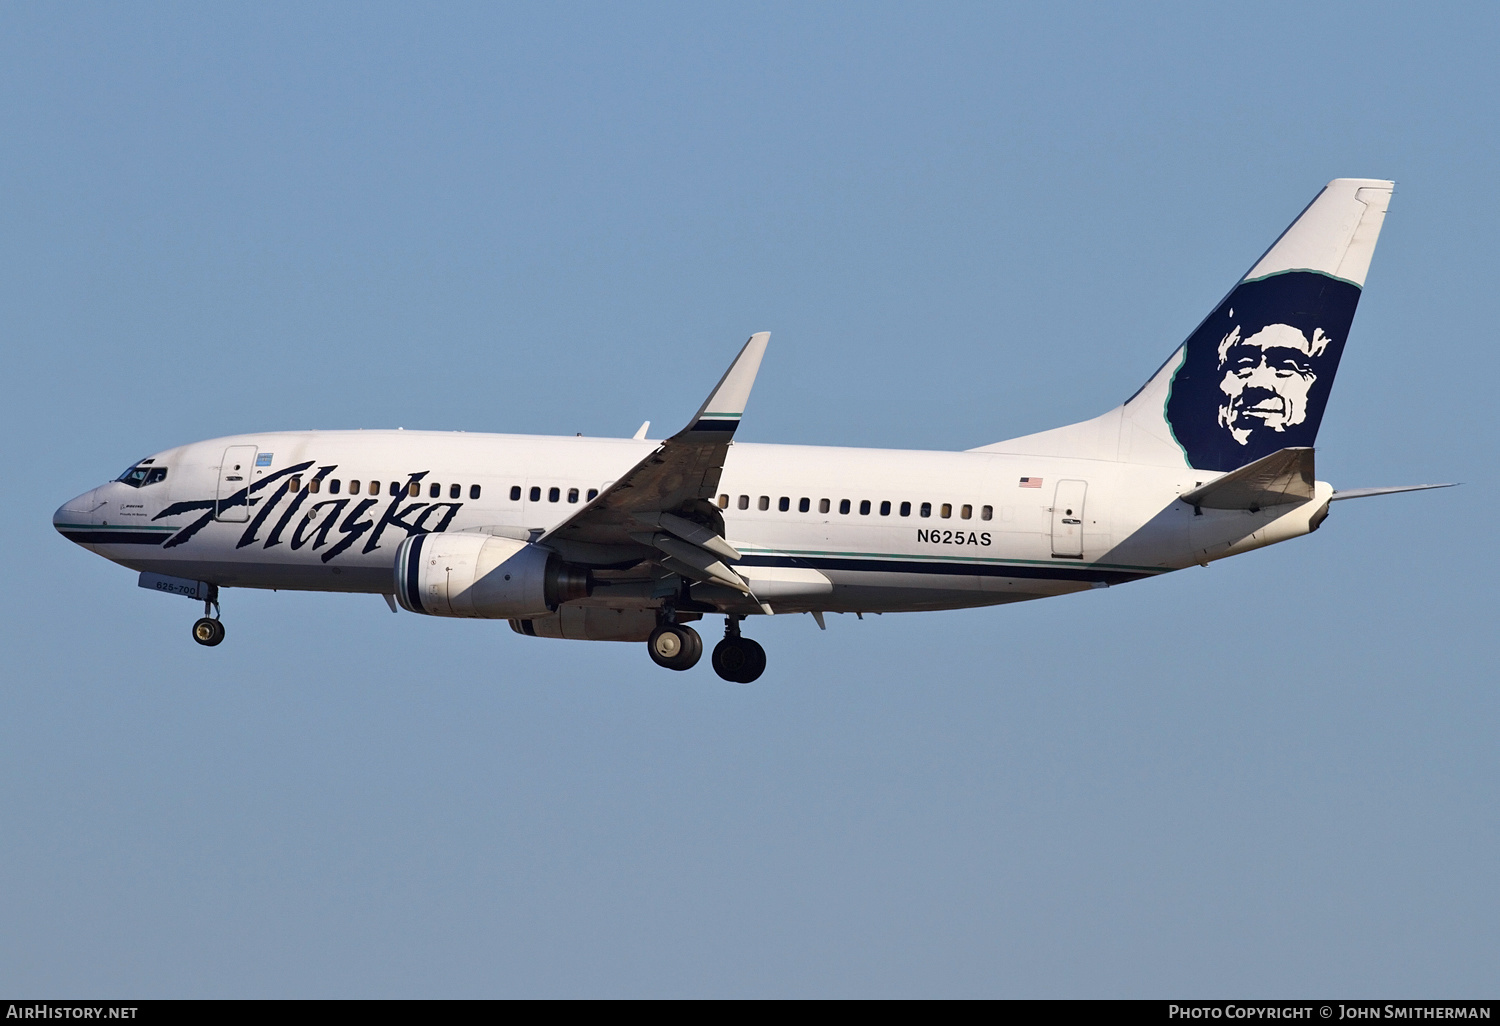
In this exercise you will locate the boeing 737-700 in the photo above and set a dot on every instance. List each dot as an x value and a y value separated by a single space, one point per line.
633 539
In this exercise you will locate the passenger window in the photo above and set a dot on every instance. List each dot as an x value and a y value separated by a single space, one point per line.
572 494
967 512
314 485
334 485
823 505
553 494
906 509
434 490
784 504
455 490
353 486
764 503
986 512
536 494
374 487
926 510
593 494
804 504
744 502
395 487
473 491
843 505
864 507
947 510
723 502
885 508
515 493
414 489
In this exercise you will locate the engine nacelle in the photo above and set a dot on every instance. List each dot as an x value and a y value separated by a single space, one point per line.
586 623
481 576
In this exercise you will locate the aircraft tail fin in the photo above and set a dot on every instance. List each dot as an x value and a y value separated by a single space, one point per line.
1254 376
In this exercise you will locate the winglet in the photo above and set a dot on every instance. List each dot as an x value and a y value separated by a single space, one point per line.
721 413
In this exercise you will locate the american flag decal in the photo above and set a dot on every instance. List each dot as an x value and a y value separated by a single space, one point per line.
1031 482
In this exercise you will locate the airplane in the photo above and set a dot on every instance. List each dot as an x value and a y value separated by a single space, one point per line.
633 539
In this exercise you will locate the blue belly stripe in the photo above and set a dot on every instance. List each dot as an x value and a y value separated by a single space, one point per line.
104 536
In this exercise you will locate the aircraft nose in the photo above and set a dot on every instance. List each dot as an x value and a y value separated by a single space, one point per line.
76 512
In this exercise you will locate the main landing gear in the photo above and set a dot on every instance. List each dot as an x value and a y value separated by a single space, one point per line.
737 659
676 647
209 630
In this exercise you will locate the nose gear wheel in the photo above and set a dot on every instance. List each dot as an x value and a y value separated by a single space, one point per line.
208 631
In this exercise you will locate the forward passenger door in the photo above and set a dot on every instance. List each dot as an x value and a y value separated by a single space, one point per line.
234 476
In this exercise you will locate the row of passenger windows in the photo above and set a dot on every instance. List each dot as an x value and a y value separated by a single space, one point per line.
804 505
553 494
414 488
434 490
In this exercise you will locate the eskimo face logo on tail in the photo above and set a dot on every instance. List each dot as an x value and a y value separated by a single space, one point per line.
1267 378
1256 374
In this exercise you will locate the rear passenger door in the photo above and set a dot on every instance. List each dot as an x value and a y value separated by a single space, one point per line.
1067 519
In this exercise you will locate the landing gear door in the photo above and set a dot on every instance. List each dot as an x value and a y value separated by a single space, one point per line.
233 501
1067 520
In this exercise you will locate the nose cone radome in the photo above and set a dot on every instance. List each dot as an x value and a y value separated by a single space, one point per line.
76 512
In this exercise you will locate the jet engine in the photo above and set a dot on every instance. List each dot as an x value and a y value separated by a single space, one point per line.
481 576
584 623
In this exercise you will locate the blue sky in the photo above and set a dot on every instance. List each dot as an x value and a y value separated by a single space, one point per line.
1275 776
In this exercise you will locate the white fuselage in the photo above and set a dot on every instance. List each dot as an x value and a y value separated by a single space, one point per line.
890 529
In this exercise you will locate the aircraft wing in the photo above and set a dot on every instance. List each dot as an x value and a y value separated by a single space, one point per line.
662 509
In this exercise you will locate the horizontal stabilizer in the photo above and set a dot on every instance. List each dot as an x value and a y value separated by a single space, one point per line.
1283 477
1364 493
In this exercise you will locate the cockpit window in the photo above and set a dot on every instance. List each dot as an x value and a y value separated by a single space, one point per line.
142 474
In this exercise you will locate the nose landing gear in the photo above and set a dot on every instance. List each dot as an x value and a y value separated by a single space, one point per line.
737 659
209 630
